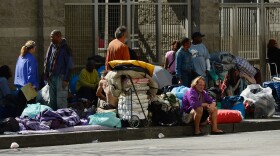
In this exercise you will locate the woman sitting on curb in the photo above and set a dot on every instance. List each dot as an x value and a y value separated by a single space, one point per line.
201 106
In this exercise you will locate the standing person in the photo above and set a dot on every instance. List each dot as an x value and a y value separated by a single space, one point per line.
27 66
170 60
198 103
117 49
273 54
58 66
200 56
88 81
184 63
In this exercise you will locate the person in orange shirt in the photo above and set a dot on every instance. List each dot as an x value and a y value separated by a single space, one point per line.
117 49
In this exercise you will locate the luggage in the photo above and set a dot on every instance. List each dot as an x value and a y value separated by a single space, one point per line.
228 116
163 115
245 66
234 103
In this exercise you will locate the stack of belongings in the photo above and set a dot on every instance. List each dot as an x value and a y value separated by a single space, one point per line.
134 101
246 69
131 81
231 73
221 63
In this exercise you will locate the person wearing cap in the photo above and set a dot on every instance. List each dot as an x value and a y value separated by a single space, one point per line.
184 63
88 82
27 67
200 55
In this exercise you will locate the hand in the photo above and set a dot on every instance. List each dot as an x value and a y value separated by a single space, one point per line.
211 109
206 72
180 82
64 84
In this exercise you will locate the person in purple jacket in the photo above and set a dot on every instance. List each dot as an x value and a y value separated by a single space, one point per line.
27 67
199 104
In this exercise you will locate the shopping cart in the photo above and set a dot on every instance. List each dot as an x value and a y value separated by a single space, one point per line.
127 105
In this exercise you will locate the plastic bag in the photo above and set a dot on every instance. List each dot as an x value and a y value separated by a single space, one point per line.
32 110
275 86
44 95
180 91
108 119
261 99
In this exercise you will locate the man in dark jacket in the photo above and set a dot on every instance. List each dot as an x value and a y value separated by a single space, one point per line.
58 66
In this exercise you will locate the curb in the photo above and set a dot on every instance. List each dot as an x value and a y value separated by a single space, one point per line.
37 140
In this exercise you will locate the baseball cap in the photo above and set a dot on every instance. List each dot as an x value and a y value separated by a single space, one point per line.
197 34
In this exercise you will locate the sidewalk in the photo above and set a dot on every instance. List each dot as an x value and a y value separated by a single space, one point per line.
36 140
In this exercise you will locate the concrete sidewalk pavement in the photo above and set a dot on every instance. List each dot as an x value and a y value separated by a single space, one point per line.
36 140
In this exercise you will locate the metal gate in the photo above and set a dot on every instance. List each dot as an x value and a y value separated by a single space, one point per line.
152 26
247 27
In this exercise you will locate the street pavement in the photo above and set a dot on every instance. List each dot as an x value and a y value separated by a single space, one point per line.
234 144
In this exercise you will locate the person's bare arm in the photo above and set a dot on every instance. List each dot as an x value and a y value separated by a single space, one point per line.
99 91
166 63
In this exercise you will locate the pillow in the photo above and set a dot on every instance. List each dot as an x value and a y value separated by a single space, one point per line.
228 116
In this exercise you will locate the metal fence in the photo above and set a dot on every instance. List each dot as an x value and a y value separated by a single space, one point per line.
246 29
152 26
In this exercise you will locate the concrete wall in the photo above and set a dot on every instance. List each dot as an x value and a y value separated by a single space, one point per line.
205 18
18 24
23 20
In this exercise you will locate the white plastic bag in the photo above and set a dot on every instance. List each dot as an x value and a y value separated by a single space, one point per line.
261 99
44 95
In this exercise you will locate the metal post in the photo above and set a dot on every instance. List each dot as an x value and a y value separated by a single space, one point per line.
128 20
96 26
158 32
262 42
106 33
40 35
235 45
189 18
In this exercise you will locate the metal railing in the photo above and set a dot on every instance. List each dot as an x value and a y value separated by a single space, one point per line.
152 26
247 27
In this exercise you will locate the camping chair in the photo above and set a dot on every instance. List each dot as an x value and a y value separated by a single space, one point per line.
269 70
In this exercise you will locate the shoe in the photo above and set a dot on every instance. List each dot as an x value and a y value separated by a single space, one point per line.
199 134
217 133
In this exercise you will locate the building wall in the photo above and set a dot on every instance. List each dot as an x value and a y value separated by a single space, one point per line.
205 18
18 24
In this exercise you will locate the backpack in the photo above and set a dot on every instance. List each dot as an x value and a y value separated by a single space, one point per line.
230 101
162 115
9 125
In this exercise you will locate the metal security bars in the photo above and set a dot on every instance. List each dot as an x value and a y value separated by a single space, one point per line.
152 26
247 27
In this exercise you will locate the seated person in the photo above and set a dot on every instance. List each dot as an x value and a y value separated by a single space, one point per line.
88 82
107 101
199 104
273 54
11 105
